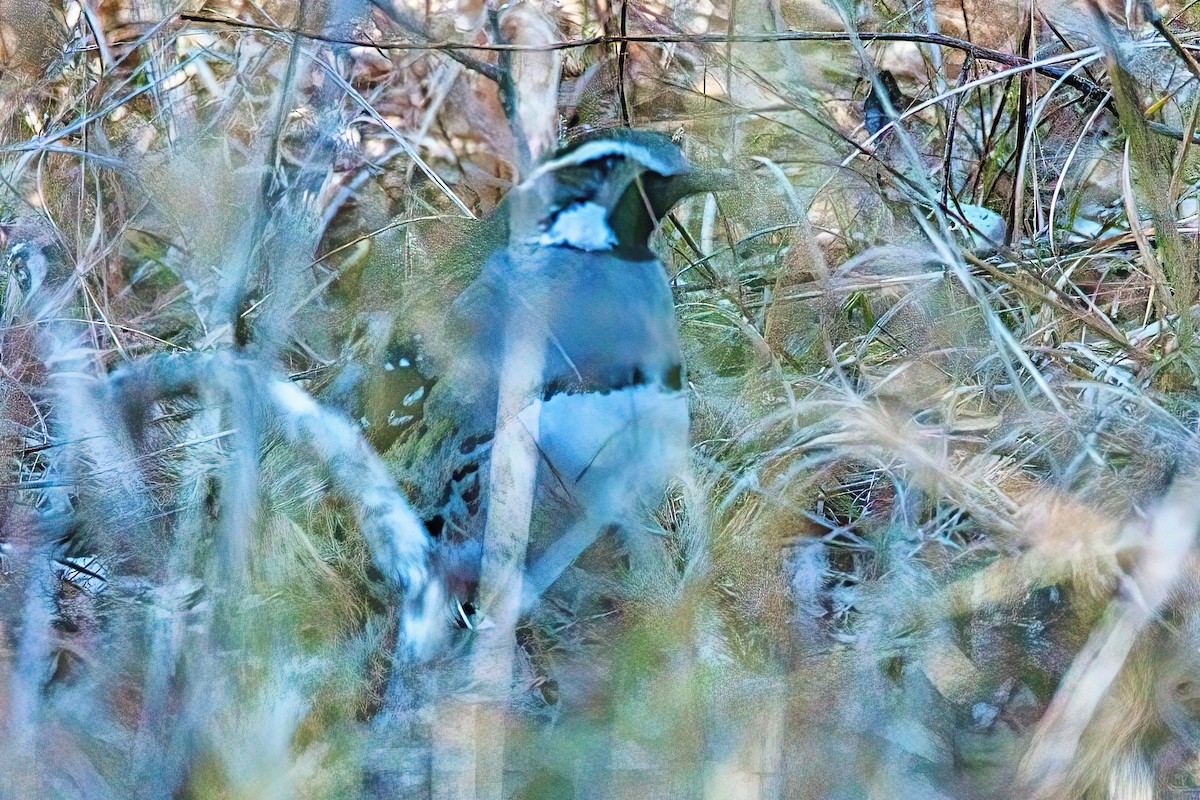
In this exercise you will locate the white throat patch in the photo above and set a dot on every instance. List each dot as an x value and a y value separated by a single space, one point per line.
583 226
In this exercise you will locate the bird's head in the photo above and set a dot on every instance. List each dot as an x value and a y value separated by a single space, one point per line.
608 192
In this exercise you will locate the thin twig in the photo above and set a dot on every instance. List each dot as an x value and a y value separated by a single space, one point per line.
979 53
404 20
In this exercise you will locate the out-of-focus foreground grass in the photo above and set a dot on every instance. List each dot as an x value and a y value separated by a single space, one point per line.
938 534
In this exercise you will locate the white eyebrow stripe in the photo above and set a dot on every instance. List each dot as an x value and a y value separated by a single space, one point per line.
594 151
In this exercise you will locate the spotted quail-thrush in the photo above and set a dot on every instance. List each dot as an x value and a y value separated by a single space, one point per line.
576 271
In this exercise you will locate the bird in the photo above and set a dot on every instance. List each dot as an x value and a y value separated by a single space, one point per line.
876 113
576 270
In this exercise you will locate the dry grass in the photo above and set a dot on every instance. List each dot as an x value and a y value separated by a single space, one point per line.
937 538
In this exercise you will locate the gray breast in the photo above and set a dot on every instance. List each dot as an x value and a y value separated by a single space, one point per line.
608 322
